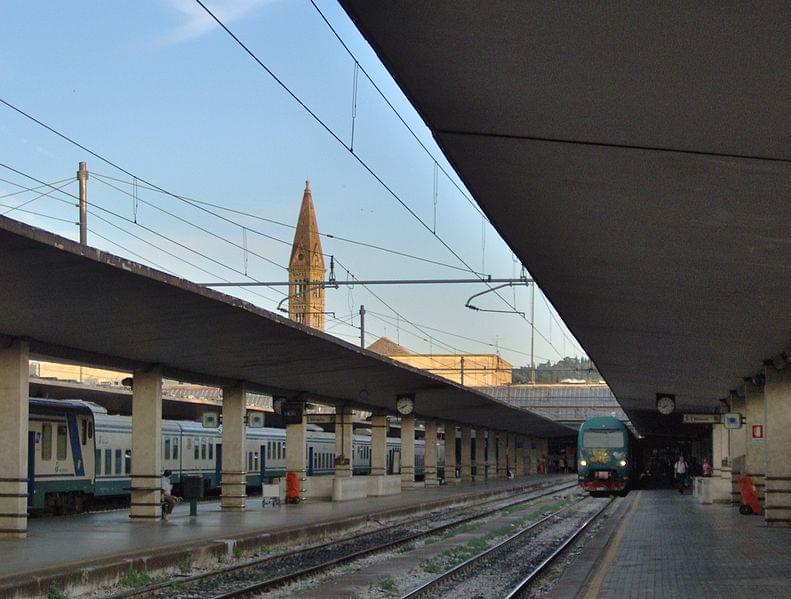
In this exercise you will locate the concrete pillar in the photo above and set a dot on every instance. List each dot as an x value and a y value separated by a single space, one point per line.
501 455
720 483
147 444
450 453
480 455
378 445
738 449
777 398
234 474
511 453
14 394
344 434
521 445
430 459
755 456
297 452
407 452
466 454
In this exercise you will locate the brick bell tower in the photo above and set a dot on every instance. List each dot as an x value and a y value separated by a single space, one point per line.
306 268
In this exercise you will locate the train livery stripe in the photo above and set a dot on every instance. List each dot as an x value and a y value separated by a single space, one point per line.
76 450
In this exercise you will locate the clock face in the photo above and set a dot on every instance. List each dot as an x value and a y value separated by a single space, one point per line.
665 405
405 405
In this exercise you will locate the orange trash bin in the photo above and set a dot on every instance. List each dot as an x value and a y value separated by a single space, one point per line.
292 487
750 503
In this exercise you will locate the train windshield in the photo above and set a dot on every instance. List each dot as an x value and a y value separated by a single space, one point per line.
603 439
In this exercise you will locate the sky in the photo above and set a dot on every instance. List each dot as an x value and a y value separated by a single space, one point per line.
159 90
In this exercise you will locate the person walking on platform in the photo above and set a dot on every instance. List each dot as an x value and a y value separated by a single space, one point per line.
681 469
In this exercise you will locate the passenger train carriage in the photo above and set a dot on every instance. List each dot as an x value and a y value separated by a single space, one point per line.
76 451
605 462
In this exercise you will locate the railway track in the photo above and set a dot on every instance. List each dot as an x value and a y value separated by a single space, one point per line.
268 573
516 545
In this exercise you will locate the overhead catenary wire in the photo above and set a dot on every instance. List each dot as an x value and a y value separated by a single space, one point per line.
362 163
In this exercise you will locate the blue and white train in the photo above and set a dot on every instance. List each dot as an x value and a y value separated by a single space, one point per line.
78 452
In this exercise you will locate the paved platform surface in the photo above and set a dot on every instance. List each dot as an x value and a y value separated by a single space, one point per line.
672 546
58 541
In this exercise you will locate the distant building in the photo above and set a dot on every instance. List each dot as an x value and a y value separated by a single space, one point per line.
471 370
306 268
570 403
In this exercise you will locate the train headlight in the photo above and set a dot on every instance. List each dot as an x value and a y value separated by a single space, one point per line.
583 463
622 463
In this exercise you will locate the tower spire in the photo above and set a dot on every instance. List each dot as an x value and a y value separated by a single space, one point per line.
306 267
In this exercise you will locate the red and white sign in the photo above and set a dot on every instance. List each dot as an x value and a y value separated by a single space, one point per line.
758 431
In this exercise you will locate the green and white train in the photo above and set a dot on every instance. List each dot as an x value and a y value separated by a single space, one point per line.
78 452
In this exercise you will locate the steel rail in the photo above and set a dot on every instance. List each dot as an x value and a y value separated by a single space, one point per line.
525 582
429 588
286 578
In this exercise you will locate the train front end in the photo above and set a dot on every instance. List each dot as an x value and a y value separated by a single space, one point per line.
603 458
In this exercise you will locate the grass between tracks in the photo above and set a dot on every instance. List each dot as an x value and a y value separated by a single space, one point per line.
456 555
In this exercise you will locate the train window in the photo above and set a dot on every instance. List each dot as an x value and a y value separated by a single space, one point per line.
98 460
211 449
108 461
197 449
46 441
127 461
249 461
203 448
90 430
269 451
283 450
167 448
175 448
84 431
603 439
118 461
255 467
62 438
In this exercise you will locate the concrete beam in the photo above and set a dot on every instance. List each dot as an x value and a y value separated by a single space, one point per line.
234 474
13 439
147 444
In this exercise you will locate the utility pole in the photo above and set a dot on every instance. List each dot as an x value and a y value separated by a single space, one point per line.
532 332
362 327
462 371
82 177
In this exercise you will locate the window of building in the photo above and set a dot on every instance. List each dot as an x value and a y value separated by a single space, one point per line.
62 438
46 441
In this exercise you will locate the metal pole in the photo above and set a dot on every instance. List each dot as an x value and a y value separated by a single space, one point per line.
362 327
532 332
82 177
462 371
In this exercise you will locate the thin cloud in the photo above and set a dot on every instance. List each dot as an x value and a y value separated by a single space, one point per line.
197 21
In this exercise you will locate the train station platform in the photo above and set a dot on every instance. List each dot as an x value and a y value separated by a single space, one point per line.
76 551
662 544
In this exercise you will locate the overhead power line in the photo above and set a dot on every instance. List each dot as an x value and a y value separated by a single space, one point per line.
362 163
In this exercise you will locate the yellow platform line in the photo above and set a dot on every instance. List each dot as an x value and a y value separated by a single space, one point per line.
596 581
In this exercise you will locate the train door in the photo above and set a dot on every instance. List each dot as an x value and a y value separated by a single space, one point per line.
262 449
218 464
31 466
310 461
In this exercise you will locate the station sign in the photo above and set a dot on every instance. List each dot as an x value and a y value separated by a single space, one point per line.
702 418
757 431
732 420
321 418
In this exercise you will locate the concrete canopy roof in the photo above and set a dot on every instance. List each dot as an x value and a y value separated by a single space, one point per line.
79 304
636 159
